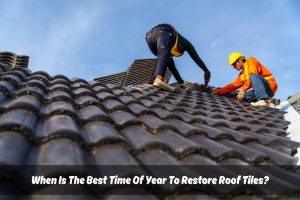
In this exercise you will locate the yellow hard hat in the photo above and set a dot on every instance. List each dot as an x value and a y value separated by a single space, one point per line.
234 56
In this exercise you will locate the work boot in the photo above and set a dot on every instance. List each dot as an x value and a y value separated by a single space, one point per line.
163 85
182 85
261 103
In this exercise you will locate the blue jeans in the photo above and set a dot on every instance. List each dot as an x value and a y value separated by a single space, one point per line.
261 89
160 41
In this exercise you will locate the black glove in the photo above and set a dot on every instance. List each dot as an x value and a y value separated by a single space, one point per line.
206 77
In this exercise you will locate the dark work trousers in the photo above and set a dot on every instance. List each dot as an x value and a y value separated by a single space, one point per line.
160 40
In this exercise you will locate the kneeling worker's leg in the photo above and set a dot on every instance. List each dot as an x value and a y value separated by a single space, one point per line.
261 87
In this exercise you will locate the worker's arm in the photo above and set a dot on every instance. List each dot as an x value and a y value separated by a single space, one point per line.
234 85
252 69
185 45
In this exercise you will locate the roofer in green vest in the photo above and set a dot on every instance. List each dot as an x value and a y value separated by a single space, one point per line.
165 42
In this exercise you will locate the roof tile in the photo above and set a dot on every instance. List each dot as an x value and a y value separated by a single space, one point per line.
93 113
13 147
250 155
18 119
123 119
113 155
275 156
61 126
99 133
62 152
213 148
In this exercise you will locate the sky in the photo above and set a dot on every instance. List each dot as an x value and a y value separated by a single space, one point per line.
93 38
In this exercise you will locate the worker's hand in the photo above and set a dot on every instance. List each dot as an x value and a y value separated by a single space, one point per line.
240 96
206 78
213 90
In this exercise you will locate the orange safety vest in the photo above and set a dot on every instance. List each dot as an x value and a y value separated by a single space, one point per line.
174 51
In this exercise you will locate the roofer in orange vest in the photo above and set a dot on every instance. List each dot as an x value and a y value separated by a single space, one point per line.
165 42
254 75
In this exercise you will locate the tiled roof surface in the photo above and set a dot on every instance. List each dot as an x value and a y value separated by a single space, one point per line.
48 120
13 60
116 79
295 101
141 71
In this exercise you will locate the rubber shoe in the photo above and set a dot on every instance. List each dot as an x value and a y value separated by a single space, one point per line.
261 103
163 85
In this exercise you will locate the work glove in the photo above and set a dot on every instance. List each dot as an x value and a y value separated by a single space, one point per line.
240 96
206 78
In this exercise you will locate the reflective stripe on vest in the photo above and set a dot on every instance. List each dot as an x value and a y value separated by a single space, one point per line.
174 51
247 77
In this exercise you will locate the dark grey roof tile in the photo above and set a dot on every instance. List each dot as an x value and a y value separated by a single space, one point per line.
12 77
61 107
20 120
113 154
13 148
83 91
276 157
58 81
59 95
237 136
112 105
141 139
197 159
183 128
35 83
79 82
126 99
86 100
111 86
148 103
137 95
59 87
161 113
212 148
187 117
137 109
118 91
38 77
27 102
157 157
250 155
233 161
62 152
99 88
168 106
99 133
7 87
60 126
31 90
262 138
3 96
212 132
155 98
123 119
178 144
154 123
93 113
264 129
41 73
